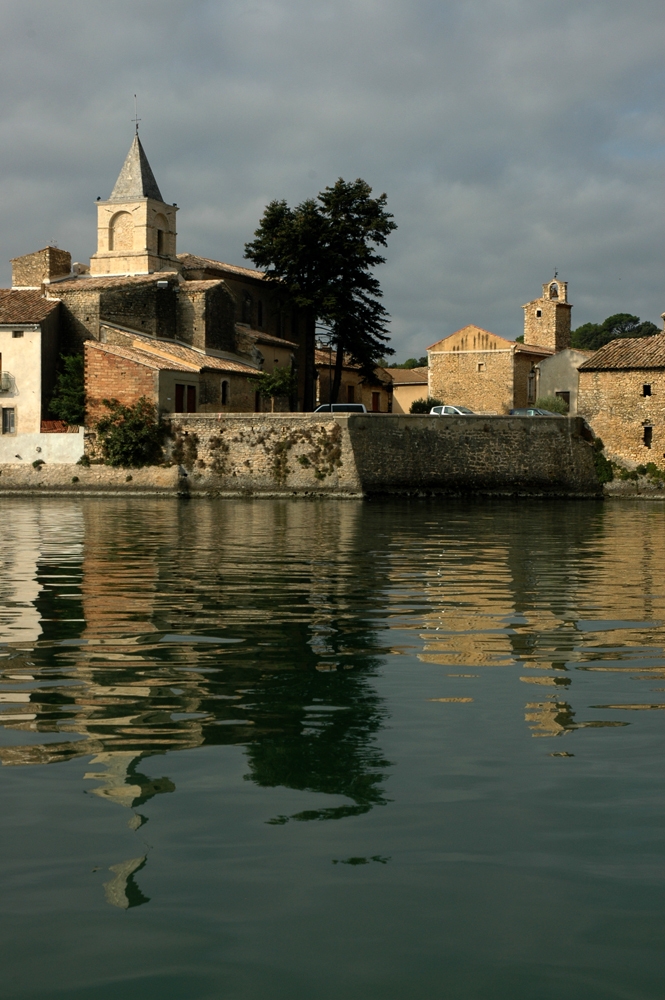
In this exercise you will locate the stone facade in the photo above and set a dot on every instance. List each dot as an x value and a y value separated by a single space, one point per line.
34 269
622 396
614 404
478 369
547 319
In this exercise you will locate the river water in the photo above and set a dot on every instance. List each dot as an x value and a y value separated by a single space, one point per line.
269 749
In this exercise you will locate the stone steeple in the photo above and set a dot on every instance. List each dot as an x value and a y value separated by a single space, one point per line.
547 319
135 227
136 179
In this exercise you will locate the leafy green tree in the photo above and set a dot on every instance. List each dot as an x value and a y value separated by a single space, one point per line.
68 400
424 405
279 382
555 404
592 336
323 253
130 436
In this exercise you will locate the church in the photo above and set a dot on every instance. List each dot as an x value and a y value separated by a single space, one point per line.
492 374
186 331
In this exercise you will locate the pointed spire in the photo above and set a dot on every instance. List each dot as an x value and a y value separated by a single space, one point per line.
136 179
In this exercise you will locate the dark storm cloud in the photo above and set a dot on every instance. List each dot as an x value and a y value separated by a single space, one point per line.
511 136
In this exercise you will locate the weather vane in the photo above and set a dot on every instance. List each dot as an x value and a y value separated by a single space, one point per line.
136 118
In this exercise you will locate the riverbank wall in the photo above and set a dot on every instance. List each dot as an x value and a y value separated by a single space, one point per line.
342 455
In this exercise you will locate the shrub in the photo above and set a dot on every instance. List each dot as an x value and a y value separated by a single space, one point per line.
604 468
552 403
130 436
68 400
424 405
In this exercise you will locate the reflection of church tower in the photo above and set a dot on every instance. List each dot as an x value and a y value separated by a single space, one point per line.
547 320
135 227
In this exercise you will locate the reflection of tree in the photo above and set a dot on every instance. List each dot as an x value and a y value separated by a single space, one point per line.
163 586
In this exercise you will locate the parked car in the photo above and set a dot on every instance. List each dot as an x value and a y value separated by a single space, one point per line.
341 408
533 411
450 411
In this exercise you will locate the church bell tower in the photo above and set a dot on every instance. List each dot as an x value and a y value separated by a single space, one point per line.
136 231
547 319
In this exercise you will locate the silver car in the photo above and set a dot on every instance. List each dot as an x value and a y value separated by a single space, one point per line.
451 411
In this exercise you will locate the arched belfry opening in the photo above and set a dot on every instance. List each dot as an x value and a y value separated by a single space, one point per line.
554 290
136 228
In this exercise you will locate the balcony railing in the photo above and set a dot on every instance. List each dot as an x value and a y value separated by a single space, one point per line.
7 382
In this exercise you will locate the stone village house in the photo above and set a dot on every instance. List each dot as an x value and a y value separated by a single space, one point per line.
141 308
375 393
622 396
409 384
491 374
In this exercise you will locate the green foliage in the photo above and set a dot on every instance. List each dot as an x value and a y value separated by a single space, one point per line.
130 436
323 254
413 363
592 336
280 382
520 339
424 405
68 400
604 468
552 403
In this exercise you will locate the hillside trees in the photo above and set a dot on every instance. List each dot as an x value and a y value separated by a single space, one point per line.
592 336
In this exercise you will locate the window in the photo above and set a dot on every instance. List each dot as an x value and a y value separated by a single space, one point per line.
179 398
160 242
481 366
350 393
646 390
225 393
376 402
17 333
257 402
259 313
8 420
565 396
531 387
648 435
539 313
247 309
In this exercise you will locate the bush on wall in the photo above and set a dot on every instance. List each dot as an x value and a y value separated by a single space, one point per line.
130 436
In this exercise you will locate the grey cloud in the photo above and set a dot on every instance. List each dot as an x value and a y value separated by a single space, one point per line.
511 136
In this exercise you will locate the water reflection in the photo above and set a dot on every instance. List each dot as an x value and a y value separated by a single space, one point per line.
133 628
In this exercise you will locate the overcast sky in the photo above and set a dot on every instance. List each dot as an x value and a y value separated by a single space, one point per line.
511 137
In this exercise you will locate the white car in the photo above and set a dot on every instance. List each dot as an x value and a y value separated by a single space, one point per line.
450 411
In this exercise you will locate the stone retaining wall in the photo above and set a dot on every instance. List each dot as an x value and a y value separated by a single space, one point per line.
345 455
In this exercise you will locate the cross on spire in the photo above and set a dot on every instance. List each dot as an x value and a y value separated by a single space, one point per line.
136 118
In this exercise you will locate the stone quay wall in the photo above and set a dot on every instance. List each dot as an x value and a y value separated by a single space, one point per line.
356 454
277 454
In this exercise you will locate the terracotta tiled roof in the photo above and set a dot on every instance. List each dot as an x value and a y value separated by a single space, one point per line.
626 353
141 357
170 350
193 262
24 307
86 282
268 338
407 376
